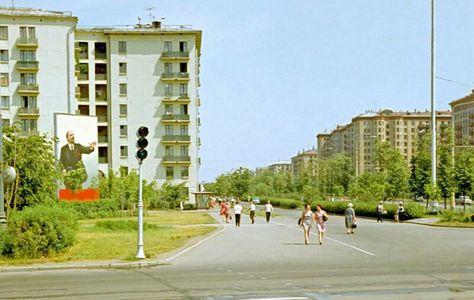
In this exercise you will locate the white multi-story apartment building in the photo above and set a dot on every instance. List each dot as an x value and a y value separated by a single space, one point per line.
143 75
36 67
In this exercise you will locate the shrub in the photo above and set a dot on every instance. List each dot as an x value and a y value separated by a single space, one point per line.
452 216
123 225
39 231
104 208
189 206
283 202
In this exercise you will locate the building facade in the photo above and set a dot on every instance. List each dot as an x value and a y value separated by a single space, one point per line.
280 167
304 160
36 68
463 120
142 75
358 139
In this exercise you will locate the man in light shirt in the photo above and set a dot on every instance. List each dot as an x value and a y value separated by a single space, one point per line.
268 210
238 212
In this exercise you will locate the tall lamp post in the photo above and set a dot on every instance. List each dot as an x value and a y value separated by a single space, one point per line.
433 108
3 217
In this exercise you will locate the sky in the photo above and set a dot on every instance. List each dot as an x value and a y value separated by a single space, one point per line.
276 73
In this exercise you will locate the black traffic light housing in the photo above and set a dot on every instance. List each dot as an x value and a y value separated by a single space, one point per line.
142 142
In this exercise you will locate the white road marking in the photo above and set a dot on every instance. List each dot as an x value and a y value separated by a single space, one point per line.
171 258
334 240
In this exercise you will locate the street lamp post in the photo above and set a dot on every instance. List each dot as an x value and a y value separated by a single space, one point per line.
433 108
3 217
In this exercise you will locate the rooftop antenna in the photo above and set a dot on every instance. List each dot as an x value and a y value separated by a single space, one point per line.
150 14
13 3
139 22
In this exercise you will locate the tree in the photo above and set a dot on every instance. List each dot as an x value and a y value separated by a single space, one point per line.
464 171
368 187
37 172
240 182
392 167
445 176
421 166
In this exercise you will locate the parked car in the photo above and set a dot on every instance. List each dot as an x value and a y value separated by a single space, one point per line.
461 200
256 200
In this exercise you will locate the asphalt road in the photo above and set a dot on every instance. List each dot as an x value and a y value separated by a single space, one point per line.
270 261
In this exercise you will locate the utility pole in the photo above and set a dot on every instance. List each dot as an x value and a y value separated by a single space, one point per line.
3 217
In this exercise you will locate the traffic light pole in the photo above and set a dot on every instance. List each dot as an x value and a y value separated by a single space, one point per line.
140 250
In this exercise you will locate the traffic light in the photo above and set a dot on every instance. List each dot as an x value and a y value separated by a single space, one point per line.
142 143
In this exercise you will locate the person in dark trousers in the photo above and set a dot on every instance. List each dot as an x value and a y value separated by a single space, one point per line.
268 211
380 211
252 212
238 213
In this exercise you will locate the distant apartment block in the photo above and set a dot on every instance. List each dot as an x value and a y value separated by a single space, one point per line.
36 67
357 140
131 76
463 120
304 160
280 167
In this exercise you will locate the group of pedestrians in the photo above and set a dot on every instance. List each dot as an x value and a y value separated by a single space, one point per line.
309 219
225 212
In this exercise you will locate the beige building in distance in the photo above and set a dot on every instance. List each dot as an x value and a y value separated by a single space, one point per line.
358 139
463 120
303 160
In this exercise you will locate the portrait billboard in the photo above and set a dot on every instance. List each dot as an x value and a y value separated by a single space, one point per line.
76 149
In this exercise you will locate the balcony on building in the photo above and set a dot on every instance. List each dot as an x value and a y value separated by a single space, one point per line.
28 112
83 92
101 93
176 160
28 133
27 66
171 98
176 139
28 89
170 56
102 113
27 42
100 71
175 76
82 71
83 50
175 118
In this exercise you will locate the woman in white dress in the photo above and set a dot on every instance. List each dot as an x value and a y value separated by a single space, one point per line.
306 222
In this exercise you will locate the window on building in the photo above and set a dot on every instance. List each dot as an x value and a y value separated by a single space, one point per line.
184 151
184 172
4 79
29 101
123 151
168 47
29 125
168 89
123 110
169 151
4 33
183 130
183 67
28 78
168 68
183 89
168 109
168 130
123 131
122 45
3 55
6 122
123 89
27 55
183 46
27 32
122 68
169 172
5 102
183 109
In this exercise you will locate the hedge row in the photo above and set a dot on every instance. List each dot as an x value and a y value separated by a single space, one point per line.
369 209
38 231
452 216
104 208
282 202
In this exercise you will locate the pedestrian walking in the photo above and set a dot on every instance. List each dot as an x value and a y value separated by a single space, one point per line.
223 211
307 221
350 218
320 218
380 212
228 216
268 210
401 212
238 213
252 211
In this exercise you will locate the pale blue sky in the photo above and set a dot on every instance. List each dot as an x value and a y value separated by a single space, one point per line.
275 73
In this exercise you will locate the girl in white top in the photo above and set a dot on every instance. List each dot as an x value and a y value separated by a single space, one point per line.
268 210
306 222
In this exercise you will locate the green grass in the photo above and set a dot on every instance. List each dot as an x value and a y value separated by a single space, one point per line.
117 238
